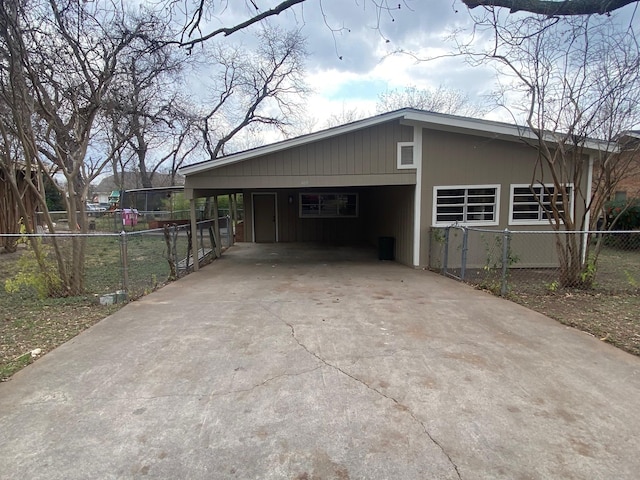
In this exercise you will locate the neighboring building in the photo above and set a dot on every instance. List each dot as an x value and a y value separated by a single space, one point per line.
131 180
11 216
109 188
393 175
629 186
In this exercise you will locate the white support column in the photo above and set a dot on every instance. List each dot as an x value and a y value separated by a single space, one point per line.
587 219
231 221
417 201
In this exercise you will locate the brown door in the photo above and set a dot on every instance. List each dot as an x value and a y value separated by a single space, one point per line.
264 217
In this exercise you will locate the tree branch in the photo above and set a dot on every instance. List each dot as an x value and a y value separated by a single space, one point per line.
554 8
277 10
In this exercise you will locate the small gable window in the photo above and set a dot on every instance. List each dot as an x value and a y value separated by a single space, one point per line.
406 154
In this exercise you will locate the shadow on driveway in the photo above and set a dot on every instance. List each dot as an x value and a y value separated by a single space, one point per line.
303 362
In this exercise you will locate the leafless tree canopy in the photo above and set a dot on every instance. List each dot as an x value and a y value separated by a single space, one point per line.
572 80
440 100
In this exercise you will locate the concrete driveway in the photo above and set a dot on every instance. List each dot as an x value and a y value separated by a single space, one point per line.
284 362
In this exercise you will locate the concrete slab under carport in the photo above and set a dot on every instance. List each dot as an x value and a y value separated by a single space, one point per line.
301 362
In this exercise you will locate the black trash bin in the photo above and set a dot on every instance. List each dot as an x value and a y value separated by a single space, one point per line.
386 248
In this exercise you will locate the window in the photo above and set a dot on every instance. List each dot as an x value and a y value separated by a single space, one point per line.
620 196
531 204
405 155
474 204
327 205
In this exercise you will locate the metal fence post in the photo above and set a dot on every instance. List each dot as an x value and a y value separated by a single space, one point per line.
463 266
506 243
445 261
125 262
229 232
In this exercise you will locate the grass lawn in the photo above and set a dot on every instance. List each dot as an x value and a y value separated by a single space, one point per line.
28 323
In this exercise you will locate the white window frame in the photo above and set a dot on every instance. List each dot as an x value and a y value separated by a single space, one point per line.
542 220
474 223
399 164
301 214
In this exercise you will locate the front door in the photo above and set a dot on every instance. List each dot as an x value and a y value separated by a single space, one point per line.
264 217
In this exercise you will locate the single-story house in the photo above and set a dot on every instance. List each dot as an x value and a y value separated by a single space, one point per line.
394 175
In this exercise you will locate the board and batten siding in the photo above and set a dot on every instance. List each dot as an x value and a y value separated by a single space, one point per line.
390 213
358 158
385 211
456 159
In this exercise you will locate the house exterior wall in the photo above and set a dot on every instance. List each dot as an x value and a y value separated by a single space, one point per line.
292 228
383 211
359 158
451 159
389 213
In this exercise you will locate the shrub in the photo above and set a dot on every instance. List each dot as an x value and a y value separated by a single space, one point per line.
31 276
626 212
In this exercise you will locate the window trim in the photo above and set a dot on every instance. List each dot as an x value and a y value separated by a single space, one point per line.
476 223
301 215
399 164
543 221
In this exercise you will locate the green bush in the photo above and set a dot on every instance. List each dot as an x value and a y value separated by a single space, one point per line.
626 212
31 276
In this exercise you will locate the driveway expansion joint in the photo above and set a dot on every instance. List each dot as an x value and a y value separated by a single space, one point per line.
378 392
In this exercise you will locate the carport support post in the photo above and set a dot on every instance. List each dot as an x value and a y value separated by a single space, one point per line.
231 220
216 226
506 244
195 251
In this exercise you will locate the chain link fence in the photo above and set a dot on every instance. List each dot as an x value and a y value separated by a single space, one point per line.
538 262
113 266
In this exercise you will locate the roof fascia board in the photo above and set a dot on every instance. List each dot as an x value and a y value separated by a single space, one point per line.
491 128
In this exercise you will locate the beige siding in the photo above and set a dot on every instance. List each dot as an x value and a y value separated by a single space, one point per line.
455 159
484 250
366 157
292 228
389 213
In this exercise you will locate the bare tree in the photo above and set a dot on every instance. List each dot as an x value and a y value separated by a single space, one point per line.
579 80
261 88
441 100
144 108
58 63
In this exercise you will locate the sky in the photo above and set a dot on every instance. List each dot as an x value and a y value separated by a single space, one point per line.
353 51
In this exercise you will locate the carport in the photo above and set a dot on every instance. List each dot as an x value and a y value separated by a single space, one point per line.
350 185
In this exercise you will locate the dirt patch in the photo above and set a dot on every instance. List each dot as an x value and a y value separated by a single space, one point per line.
30 327
613 318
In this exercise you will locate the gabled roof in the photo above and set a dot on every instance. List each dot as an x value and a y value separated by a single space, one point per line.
409 116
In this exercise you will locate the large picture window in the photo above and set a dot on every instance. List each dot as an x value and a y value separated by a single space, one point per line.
328 205
533 204
471 205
